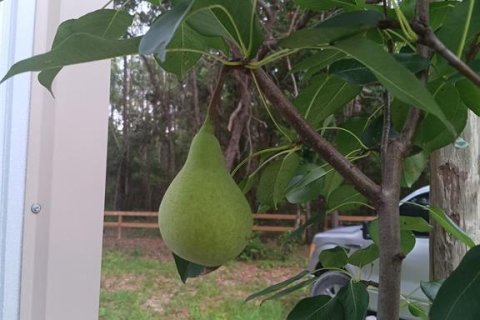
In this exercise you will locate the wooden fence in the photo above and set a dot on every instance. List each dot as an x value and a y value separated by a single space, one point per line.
262 221
341 219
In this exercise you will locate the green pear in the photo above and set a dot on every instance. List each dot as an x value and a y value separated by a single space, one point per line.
204 217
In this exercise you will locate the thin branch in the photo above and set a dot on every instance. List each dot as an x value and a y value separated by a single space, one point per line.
349 171
415 116
216 99
386 124
428 38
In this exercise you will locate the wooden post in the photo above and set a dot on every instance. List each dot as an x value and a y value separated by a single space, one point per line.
119 230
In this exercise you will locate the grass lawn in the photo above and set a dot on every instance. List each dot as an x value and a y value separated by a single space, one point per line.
139 285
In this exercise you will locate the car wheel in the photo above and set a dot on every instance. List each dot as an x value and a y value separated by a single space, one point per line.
329 283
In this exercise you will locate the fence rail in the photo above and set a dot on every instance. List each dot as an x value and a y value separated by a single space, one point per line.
295 221
262 221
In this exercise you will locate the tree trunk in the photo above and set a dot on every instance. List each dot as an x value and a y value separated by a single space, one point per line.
196 117
146 176
122 178
238 119
455 180
391 256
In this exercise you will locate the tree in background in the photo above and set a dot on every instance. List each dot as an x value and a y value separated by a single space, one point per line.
332 52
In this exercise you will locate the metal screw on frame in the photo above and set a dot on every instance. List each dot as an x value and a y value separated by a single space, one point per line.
36 208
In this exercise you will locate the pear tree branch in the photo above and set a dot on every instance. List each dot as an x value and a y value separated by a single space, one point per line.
428 38
348 170
216 99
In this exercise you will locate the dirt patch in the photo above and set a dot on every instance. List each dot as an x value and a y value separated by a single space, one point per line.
164 294
148 247
129 282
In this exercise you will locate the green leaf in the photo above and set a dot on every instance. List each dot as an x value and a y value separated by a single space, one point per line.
187 269
413 167
451 227
317 308
235 20
179 60
311 174
439 11
407 241
106 23
407 238
77 48
458 21
352 71
349 139
364 256
393 76
408 8
355 72
247 183
323 97
345 198
417 311
69 47
372 134
334 258
470 95
318 61
431 134
284 175
430 288
274 180
458 295
161 32
205 22
417 224
354 298
338 27
308 187
290 289
267 180
277 286
333 180
326 4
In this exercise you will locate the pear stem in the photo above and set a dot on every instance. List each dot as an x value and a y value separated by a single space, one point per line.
216 99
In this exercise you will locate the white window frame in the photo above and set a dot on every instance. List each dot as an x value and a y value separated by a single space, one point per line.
54 156
17 18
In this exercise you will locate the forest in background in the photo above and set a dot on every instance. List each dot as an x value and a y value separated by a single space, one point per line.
154 116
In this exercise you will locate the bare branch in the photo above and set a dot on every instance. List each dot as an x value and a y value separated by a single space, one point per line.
216 99
474 48
348 170
429 38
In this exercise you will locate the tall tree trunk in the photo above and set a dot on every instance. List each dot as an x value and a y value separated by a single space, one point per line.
121 191
391 256
455 181
146 176
196 118
238 119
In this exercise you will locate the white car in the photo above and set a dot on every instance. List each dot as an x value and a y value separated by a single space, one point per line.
415 267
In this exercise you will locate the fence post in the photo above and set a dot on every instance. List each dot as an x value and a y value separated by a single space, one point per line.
119 230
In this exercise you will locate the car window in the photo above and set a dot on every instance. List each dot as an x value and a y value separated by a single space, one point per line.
412 209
